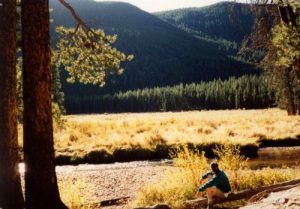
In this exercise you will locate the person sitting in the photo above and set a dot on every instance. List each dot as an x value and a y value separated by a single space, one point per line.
217 184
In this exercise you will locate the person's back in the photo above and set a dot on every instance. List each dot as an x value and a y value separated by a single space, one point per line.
222 181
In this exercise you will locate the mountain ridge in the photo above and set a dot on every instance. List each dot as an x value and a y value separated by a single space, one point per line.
195 18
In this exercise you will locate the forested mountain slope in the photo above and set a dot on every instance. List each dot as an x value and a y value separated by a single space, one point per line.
164 54
226 22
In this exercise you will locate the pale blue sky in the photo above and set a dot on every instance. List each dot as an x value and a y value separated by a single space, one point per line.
160 5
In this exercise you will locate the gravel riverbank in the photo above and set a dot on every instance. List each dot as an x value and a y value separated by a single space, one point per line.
96 183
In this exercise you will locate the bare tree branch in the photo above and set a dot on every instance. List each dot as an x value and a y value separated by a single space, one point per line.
73 13
80 23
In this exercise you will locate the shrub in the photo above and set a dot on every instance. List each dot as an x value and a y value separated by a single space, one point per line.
232 162
98 156
179 185
57 114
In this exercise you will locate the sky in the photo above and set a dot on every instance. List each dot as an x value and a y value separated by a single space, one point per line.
161 5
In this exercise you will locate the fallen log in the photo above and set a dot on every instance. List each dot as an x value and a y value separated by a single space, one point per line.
104 203
116 201
200 203
266 193
159 206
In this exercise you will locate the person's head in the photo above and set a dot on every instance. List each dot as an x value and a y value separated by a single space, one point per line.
214 167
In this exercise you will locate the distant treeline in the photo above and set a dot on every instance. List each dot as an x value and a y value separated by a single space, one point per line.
243 92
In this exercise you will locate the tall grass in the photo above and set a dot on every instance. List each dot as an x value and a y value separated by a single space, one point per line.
177 184
82 134
182 183
73 193
86 133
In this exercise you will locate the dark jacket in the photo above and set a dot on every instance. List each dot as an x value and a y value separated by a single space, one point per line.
219 180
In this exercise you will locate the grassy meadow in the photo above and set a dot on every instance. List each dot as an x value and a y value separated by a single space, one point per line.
109 133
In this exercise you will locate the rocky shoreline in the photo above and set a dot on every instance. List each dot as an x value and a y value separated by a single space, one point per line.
289 199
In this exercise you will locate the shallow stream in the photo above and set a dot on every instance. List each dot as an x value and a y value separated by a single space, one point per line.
276 157
267 157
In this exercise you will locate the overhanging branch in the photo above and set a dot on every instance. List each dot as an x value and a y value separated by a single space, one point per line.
80 23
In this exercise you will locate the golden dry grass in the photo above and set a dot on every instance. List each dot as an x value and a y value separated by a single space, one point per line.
73 193
84 133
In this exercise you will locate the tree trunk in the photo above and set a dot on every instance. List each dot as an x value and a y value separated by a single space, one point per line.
41 190
297 69
289 93
10 184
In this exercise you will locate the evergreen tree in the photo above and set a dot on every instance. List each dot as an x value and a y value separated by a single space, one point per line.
234 93
41 190
10 183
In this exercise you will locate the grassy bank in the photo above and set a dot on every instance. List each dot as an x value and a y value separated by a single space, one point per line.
182 184
124 137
